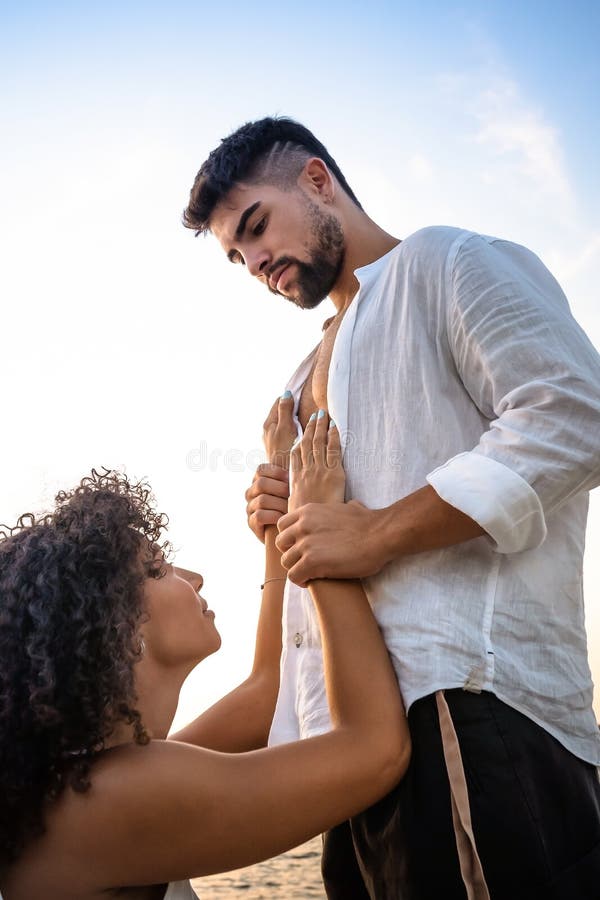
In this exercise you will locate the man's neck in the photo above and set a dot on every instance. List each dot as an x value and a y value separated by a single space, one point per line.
365 243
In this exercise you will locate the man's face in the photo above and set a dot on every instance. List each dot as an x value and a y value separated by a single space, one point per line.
289 241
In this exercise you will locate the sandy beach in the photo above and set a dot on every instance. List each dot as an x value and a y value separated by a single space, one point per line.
294 875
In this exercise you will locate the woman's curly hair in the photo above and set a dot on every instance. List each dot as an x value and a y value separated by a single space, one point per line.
70 610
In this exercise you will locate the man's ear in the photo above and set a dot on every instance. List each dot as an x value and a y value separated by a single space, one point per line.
316 178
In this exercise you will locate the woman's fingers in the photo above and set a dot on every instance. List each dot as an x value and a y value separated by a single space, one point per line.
269 479
320 438
334 448
313 447
296 457
285 410
272 417
306 444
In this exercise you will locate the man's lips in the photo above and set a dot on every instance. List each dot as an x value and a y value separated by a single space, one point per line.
275 277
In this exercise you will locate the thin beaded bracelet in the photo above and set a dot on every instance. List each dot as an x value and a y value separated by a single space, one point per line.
271 579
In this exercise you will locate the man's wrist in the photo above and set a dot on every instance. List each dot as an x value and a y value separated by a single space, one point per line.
419 522
383 534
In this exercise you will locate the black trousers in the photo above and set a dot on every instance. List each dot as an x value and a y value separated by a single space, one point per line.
535 811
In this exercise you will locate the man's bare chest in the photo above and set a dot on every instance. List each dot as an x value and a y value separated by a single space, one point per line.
314 392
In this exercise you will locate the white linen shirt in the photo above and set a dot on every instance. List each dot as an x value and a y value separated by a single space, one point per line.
458 363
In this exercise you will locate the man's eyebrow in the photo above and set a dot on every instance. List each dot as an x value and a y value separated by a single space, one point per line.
244 218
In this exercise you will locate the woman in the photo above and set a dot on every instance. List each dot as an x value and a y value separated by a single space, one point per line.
97 634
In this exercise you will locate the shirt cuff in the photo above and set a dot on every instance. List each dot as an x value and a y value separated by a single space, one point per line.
498 499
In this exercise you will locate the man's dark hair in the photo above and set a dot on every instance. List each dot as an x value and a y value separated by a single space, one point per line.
272 150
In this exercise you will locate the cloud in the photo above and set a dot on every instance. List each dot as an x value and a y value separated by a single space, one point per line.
519 135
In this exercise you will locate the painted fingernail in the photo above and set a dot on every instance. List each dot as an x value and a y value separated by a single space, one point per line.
313 417
286 395
320 414
332 424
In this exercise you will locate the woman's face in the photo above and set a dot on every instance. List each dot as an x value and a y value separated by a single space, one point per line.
180 628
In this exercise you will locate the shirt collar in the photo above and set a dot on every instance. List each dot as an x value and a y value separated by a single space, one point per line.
368 275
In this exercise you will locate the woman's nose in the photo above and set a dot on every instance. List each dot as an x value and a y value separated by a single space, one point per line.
196 581
194 578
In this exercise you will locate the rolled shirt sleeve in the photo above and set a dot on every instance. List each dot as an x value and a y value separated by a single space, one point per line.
533 373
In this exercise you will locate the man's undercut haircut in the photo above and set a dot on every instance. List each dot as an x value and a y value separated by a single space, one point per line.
269 151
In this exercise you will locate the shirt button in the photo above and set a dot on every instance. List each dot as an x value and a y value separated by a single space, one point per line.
298 639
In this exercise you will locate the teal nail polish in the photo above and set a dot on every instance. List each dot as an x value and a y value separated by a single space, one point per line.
332 424
286 395
320 414
314 416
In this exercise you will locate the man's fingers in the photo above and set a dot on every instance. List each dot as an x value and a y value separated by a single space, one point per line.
262 517
288 520
298 575
290 557
302 571
304 564
286 537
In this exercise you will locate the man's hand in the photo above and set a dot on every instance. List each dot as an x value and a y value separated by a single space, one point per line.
267 498
330 540
347 540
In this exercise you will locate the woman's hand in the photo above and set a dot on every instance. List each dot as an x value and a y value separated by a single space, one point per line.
318 476
267 498
279 431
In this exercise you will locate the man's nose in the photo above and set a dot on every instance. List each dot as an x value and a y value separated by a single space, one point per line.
258 262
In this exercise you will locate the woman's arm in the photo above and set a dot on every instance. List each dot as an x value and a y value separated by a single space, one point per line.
242 719
169 811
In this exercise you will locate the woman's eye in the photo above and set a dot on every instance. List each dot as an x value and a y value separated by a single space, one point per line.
259 227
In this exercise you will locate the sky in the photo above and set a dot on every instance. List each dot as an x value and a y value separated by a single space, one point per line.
127 342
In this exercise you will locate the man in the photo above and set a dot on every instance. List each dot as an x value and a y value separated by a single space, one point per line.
469 402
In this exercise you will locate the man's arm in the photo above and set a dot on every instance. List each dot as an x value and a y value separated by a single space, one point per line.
531 371
347 540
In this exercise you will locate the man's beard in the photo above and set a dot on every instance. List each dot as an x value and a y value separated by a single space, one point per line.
316 278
